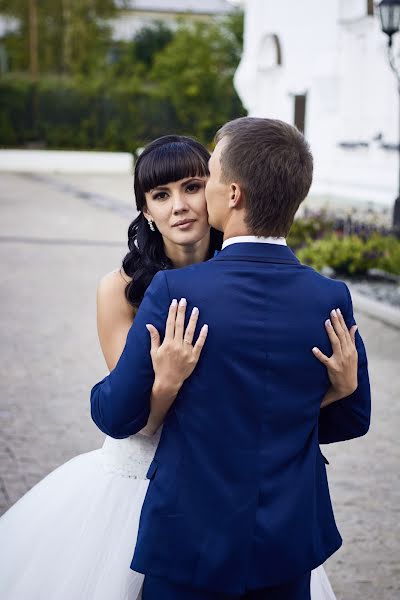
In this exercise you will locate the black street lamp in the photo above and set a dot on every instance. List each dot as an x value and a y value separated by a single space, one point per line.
389 11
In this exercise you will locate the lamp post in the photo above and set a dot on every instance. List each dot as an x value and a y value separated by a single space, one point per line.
389 11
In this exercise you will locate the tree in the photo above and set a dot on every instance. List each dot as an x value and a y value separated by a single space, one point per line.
150 40
73 35
131 92
135 58
195 73
233 25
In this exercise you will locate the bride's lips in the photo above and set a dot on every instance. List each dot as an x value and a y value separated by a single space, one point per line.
184 224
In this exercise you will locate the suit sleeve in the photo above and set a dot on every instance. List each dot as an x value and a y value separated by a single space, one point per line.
120 403
350 417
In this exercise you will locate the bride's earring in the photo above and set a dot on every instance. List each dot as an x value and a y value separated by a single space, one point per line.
151 225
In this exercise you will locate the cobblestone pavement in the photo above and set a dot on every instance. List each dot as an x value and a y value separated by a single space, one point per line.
56 240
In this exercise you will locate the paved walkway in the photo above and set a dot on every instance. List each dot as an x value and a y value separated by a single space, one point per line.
58 235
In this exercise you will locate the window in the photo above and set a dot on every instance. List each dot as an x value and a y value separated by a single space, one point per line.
270 52
355 10
300 112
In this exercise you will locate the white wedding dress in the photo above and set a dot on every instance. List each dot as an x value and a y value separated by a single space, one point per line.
72 536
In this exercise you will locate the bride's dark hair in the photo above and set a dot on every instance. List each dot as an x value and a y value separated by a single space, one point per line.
167 159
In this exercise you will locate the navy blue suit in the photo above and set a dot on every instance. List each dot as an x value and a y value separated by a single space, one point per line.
238 498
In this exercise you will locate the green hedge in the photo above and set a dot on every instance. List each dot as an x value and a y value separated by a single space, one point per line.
70 114
62 113
160 82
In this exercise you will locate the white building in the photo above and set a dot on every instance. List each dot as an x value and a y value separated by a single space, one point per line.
323 66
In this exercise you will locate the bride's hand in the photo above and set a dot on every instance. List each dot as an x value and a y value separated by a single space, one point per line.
173 361
342 365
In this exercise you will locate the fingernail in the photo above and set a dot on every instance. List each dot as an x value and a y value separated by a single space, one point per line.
333 313
315 349
205 327
182 302
195 311
338 311
328 323
174 302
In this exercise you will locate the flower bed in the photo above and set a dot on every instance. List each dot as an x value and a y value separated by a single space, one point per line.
351 248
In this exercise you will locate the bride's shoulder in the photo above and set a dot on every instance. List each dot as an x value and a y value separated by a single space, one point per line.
115 315
114 281
111 289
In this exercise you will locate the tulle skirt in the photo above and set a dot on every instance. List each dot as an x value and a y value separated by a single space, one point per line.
72 537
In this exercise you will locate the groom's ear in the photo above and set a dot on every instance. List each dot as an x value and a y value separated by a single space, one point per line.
236 196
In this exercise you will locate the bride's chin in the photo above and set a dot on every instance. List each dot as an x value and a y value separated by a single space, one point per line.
189 238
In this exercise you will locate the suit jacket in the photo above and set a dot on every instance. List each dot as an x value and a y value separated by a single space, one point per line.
239 497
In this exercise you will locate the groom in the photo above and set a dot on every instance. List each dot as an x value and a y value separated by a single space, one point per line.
238 504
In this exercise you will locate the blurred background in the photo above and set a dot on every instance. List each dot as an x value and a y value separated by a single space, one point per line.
84 85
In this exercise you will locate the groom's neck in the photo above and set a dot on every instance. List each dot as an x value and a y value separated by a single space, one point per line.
236 229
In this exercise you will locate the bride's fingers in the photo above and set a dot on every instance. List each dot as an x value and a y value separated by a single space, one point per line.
170 326
154 337
333 338
340 332
180 319
321 356
190 329
343 324
353 332
201 340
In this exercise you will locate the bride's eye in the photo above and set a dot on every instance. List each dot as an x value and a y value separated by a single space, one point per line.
160 196
192 188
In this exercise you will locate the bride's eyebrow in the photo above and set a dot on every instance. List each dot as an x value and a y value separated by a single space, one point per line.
189 179
163 188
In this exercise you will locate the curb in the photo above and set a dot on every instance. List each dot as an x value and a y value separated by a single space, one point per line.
66 161
377 310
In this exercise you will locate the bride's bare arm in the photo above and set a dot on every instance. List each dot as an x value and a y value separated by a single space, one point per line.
114 316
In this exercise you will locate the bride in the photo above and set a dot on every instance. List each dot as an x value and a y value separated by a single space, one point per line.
72 535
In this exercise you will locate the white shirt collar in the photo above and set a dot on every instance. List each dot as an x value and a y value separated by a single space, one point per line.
281 241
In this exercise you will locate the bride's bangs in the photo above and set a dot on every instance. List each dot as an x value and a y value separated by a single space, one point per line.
169 163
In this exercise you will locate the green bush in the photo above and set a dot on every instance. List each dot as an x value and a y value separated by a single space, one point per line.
162 82
64 113
16 111
352 255
307 229
195 72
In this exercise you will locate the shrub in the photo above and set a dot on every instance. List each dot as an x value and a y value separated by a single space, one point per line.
64 113
307 229
162 82
352 255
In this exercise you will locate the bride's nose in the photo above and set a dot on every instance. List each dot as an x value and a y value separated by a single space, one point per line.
179 203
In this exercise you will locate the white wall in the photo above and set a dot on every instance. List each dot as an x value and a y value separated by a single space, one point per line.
337 55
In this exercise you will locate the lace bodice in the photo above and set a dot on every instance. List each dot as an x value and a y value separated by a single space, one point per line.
130 457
